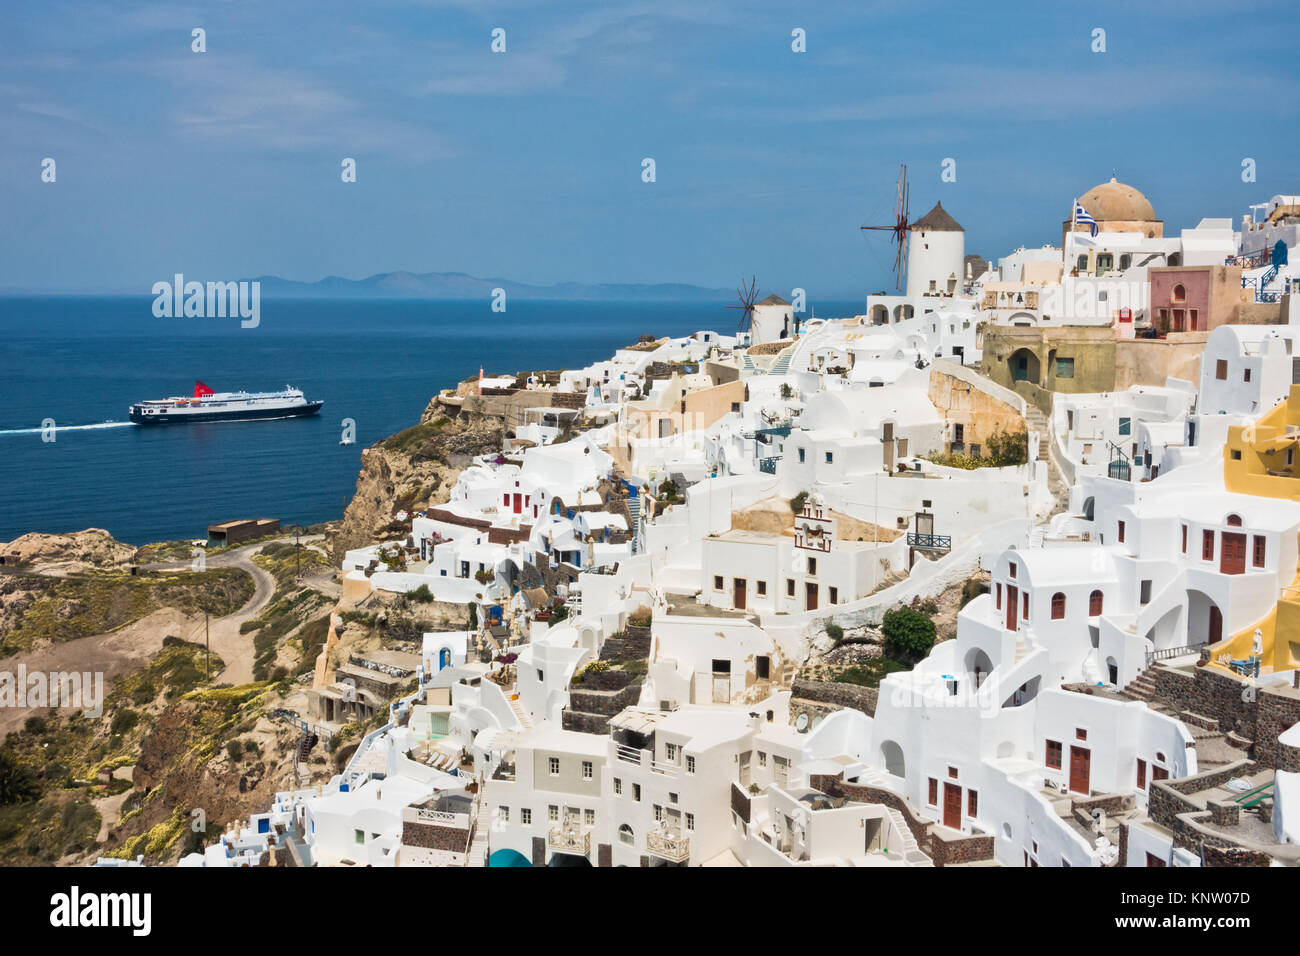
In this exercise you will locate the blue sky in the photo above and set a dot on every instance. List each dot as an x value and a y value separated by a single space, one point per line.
527 164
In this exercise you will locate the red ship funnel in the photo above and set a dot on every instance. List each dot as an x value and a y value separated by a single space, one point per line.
200 390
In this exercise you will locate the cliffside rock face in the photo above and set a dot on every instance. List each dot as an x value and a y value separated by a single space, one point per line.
406 472
92 548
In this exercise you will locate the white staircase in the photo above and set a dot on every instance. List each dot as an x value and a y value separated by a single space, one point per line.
634 512
1022 649
478 848
522 714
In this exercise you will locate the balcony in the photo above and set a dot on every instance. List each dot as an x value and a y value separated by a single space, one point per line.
768 465
569 839
931 542
668 845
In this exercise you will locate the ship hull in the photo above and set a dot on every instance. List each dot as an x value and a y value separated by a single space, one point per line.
237 415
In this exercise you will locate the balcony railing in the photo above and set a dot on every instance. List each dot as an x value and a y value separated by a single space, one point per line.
668 845
768 465
935 542
569 840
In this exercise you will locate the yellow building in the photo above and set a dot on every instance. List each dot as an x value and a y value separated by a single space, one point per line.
1260 460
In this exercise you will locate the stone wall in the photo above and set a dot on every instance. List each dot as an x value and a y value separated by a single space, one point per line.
819 698
633 644
948 848
1210 693
430 836
1277 709
980 413
1169 805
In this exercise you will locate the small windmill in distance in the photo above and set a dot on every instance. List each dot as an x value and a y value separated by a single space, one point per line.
898 229
748 296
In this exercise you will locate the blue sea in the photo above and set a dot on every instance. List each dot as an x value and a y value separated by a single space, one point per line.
82 360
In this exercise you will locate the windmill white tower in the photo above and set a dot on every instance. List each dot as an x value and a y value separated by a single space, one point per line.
936 254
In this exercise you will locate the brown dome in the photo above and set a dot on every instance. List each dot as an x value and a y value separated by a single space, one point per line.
1117 201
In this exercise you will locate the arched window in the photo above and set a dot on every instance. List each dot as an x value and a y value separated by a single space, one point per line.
1234 521
625 834
1179 293
1058 606
1094 603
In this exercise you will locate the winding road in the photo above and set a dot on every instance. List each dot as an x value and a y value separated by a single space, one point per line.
236 649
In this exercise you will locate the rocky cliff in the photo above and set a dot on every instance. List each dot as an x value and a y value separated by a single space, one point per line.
406 472
66 553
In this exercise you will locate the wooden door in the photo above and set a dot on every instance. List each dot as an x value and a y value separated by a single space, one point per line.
519 503
1159 773
1232 554
738 597
1216 623
1013 600
810 596
1080 769
952 805
1153 860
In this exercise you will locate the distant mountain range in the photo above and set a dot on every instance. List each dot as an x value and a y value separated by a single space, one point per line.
459 285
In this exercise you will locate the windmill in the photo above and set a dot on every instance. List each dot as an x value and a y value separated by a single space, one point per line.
898 229
748 296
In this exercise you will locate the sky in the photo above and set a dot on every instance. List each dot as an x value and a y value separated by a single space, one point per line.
528 164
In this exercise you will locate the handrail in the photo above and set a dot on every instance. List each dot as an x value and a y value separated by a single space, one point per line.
1165 653
937 541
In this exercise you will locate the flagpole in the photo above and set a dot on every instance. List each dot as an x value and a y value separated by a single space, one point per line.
1069 239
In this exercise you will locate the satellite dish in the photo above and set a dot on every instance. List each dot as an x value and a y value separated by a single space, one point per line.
801 724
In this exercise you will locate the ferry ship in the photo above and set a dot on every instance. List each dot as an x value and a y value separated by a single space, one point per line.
205 405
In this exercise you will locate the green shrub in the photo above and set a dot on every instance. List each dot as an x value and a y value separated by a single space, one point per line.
641 617
235 748
908 634
123 721
835 632
421 594
798 501
971 588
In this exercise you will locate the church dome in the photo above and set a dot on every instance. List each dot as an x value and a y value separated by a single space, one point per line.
1116 201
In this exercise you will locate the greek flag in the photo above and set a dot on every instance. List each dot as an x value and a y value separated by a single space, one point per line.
1081 216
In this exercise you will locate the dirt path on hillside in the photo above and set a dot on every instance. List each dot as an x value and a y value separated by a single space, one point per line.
130 648
119 652
234 648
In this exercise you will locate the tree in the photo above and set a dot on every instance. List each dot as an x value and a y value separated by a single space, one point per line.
1008 448
17 783
909 634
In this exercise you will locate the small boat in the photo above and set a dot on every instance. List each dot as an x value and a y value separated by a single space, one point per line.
347 441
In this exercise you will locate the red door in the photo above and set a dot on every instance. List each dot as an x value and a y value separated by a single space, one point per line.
1232 554
1216 623
952 806
1013 595
810 595
519 503
1159 773
738 601
1080 769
